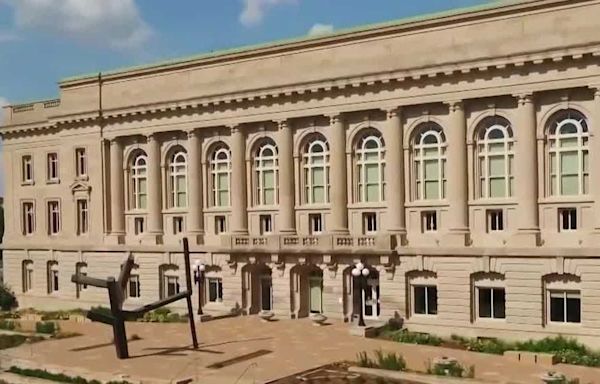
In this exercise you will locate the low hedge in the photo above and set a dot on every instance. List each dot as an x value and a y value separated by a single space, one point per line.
8 325
46 327
11 341
57 377
163 315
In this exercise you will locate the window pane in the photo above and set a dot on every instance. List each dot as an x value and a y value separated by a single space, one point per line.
498 187
268 179
497 166
573 310
318 176
212 291
223 198
419 300
570 142
432 300
180 183
372 173
372 193
142 185
569 163
181 199
485 302
569 185
269 196
142 202
557 309
496 147
430 152
318 195
431 170
499 304
432 190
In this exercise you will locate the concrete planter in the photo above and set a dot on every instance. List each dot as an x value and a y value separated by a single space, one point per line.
553 378
318 319
266 315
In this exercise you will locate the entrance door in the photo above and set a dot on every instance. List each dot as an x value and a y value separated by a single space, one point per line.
266 293
315 285
371 299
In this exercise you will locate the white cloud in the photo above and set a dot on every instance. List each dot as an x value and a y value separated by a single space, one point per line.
8 36
320 29
115 23
254 10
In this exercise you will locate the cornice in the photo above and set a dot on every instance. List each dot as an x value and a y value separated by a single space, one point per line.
321 88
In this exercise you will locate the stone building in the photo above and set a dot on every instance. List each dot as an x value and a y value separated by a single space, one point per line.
453 154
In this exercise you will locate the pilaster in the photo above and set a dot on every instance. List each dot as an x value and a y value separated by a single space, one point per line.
338 178
195 218
117 193
239 216
155 225
287 223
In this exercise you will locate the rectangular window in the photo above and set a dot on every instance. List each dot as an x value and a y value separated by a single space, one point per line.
52 167
27 169
567 218
565 306
220 225
53 279
177 225
215 290
495 220
425 300
429 221
53 217
369 223
28 218
266 224
172 286
491 303
80 162
27 276
138 223
82 217
134 286
316 223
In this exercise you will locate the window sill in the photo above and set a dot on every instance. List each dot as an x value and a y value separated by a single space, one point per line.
82 178
53 181
492 202
264 208
489 320
377 205
174 211
565 324
136 213
566 199
217 210
27 183
428 204
313 207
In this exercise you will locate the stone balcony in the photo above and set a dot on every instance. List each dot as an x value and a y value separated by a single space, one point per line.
308 243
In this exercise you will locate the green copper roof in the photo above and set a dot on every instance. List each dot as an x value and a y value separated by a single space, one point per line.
491 4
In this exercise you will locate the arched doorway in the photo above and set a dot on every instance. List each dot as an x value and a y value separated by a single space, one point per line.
371 307
307 290
257 288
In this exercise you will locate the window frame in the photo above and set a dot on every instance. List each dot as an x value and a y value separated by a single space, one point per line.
177 169
24 218
429 221
81 164
261 169
53 276
220 219
138 177
370 219
266 224
555 153
420 158
492 222
363 163
219 289
422 279
27 276
51 214
52 168
310 164
315 218
567 284
484 156
27 169
220 167
573 222
83 217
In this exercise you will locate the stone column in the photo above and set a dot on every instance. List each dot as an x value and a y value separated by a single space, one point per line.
155 225
117 192
338 179
594 158
287 223
195 218
394 174
457 173
239 216
526 172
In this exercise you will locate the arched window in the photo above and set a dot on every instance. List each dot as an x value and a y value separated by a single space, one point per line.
316 171
220 168
495 158
177 180
266 174
139 181
429 162
370 164
568 154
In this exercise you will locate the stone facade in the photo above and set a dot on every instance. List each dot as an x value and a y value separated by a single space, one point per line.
453 155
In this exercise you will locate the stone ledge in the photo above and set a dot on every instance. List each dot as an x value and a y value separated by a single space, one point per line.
416 377
538 358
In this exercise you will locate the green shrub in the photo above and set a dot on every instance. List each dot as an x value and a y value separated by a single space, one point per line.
163 315
58 377
100 309
390 361
55 315
453 369
8 300
364 361
407 337
46 327
8 325
11 341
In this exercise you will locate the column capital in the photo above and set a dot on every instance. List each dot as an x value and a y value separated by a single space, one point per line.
283 124
114 140
455 105
192 133
393 112
237 128
335 118
152 136
524 98
596 89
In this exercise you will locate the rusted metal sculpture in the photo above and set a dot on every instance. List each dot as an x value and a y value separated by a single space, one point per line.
116 297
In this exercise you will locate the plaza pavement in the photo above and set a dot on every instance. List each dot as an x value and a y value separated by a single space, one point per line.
266 351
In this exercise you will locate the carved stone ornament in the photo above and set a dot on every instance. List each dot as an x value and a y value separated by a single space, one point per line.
332 267
390 269
232 264
280 266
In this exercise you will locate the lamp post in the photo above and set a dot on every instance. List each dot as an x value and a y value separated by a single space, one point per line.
360 274
198 278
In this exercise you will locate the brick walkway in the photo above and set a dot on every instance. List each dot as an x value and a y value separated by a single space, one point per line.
265 351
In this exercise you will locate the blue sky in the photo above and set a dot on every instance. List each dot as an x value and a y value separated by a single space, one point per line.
43 41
